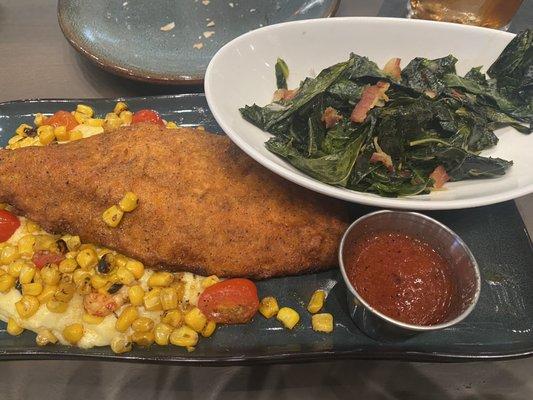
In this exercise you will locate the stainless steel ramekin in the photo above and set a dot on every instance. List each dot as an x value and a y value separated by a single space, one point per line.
464 267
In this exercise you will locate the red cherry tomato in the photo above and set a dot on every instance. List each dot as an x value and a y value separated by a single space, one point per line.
8 225
147 116
43 257
233 301
62 118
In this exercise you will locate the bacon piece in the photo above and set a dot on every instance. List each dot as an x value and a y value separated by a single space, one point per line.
371 96
439 176
392 68
284 94
330 117
383 158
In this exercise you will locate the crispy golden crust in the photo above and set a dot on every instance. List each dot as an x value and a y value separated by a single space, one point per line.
204 206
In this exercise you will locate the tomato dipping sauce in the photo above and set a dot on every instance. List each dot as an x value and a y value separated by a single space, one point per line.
401 276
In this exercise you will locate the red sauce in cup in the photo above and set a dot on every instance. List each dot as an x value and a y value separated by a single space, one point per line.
401 276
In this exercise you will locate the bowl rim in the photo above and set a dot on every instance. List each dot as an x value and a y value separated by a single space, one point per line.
400 324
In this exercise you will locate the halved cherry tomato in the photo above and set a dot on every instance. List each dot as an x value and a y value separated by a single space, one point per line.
43 257
62 118
147 116
233 301
8 225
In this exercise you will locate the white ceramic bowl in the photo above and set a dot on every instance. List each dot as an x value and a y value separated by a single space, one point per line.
242 72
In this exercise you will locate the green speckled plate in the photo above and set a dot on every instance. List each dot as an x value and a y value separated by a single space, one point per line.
125 37
501 326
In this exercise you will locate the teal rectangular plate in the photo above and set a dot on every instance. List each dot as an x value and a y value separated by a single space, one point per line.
500 327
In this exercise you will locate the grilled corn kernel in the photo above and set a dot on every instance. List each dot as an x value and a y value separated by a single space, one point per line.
25 244
50 274
169 298
288 317
172 125
143 338
61 133
68 265
112 122
159 279
120 344
120 107
317 301
119 260
39 119
46 134
44 242
21 130
99 281
136 295
142 324
73 333
126 318
136 268
151 300
32 289
322 322
87 258
126 117
73 242
209 328
92 319
56 306
15 267
44 337
75 135
47 293
129 202
184 337
195 319
210 281
9 254
27 272
37 277
7 281
27 306
162 333
96 122
269 307
65 291
32 226
85 110
172 318
112 216
125 276
13 328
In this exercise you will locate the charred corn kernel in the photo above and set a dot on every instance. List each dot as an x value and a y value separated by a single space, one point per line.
14 142
92 319
269 307
120 107
112 216
68 265
25 244
317 301
159 279
129 202
50 274
172 125
168 298
37 277
56 306
9 254
44 337
125 276
46 134
136 295
112 121
126 318
32 289
75 135
195 319
80 275
151 300
142 324
209 328
27 306
162 333
73 333
61 133
27 272
47 293
7 282
73 242
322 322
39 119
136 268
44 242
99 281
13 327
85 110
32 226
172 318
119 260
184 337
288 317
126 117
96 122
65 291
143 338
21 130
210 281
87 258
179 287
120 344
15 267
